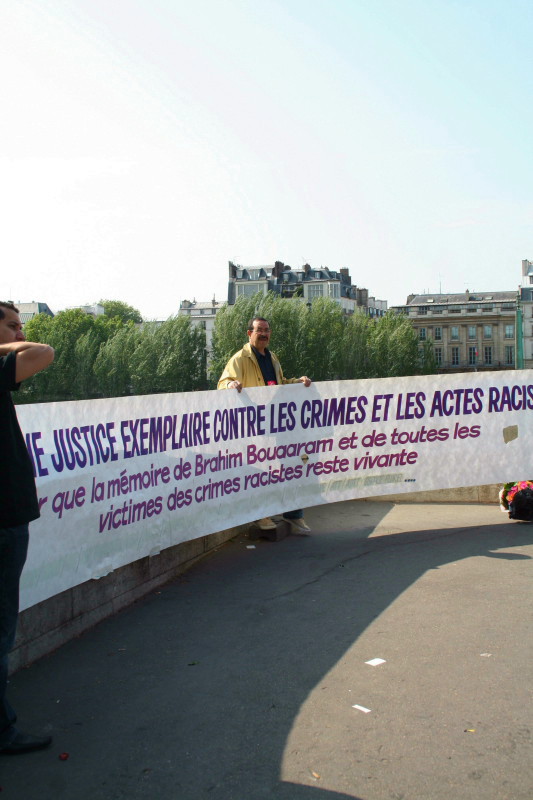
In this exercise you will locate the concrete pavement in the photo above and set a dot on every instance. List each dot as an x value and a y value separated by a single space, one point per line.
238 681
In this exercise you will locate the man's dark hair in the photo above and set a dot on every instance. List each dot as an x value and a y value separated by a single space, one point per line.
8 305
257 319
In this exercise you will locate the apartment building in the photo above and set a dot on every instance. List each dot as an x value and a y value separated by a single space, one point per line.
304 283
470 331
201 313
526 313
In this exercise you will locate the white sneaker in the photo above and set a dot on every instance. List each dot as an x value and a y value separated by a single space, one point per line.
266 524
298 525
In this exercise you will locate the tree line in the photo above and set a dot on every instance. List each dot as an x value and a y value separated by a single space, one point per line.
116 354
321 341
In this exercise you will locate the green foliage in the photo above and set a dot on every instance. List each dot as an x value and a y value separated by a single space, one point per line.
112 366
169 358
355 355
122 311
393 347
106 357
287 319
321 341
229 333
74 335
111 356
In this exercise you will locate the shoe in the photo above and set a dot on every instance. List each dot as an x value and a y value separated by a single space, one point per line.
25 743
298 525
266 524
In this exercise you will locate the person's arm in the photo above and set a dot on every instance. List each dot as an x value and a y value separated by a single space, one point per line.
231 378
281 377
304 379
32 357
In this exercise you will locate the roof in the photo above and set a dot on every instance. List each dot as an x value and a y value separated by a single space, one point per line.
208 304
465 297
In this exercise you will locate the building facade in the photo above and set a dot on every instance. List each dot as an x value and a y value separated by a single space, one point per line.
94 310
526 313
304 283
470 331
28 311
202 314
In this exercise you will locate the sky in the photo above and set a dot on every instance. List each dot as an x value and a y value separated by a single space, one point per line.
146 143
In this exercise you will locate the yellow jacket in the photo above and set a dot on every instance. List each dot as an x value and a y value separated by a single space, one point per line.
243 367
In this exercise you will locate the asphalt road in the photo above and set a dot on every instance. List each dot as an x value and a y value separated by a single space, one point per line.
247 678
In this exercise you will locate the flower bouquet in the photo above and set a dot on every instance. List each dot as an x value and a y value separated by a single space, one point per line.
517 499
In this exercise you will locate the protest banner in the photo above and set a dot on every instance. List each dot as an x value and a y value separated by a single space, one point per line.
119 479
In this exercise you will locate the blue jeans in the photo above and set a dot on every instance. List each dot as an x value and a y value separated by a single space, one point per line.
13 551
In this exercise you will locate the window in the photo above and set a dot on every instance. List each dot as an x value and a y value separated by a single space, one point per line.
487 331
509 354
334 290
487 308
472 356
471 331
249 289
422 334
254 274
454 309
455 356
509 331
438 334
438 356
487 355
315 290
422 309
454 333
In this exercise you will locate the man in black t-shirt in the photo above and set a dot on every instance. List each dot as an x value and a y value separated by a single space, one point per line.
19 360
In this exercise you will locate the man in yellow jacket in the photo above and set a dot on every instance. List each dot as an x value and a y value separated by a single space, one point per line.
255 365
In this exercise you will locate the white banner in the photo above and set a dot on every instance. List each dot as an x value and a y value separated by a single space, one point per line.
123 478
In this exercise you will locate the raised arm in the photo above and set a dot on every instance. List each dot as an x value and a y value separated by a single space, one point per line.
32 357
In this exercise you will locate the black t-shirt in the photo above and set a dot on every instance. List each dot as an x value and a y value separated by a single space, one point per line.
266 366
18 496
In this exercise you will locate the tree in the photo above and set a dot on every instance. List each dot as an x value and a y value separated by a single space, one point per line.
170 357
63 332
113 364
126 313
319 340
286 319
76 338
393 347
322 340
355 355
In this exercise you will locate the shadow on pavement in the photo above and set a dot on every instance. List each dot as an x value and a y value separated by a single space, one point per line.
193 692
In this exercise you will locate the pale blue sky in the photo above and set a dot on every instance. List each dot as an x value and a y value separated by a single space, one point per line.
147 142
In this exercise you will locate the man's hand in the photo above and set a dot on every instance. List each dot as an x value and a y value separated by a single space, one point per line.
235 385
305 380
